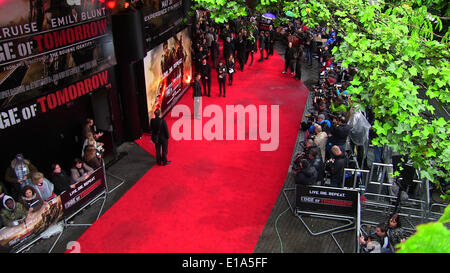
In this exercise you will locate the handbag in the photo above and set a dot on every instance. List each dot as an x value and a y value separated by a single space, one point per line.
155 137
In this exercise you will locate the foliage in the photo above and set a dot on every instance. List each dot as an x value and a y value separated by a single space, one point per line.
222 10
433 237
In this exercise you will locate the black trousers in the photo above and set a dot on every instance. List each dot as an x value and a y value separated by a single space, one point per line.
230 79
250 54
271 48
222 84
206 83
214 58
241 60
262 54
289 64
162 146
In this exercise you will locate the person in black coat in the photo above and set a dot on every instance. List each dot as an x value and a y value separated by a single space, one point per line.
267 44
261 45
315 160
271 39
231 69
222 77
251 48
60 179
339 132
307 175
337 166
228 48
205 71
197 95
289 56
159 128
241 51
298 64
215 51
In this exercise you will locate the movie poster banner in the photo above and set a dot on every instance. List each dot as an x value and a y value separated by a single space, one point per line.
84 192
39 105
51 212
168 72
46 43
31 226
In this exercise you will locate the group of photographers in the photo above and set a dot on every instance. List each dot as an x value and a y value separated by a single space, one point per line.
327 131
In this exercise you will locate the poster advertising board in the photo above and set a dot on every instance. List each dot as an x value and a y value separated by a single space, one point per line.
45 44
51 212
168 72
326 200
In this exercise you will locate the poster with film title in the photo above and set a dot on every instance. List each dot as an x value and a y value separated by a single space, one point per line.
168 72
45 44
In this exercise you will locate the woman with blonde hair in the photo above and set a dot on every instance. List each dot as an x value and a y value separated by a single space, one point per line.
42 185
90 140
91 157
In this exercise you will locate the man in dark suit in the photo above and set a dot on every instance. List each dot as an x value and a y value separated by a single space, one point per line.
160 131
261 45
205 70
197 95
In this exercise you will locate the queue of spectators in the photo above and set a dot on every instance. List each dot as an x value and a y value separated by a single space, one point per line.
28 187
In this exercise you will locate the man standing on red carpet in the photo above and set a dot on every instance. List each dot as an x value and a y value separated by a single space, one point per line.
160 137
197 95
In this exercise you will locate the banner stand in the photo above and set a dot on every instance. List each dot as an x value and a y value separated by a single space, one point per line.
351 223
317 215
102 196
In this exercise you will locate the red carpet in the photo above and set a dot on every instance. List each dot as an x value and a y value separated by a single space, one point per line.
215 196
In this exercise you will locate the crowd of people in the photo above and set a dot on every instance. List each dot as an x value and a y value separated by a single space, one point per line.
330 136
334 130
240 40
28 189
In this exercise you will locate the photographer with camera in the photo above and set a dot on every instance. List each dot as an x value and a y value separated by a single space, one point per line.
307 174
321 140
339 132
315 160
336 165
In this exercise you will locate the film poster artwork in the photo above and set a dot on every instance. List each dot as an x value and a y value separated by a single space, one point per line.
35 223
48 43
168 72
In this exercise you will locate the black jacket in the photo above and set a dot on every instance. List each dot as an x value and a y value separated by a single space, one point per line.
230 65
228 48
340 134
317 163
214 49
222 71
337 169
62 182
163 132
197 89
262 42
205 70
289 54
306 176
